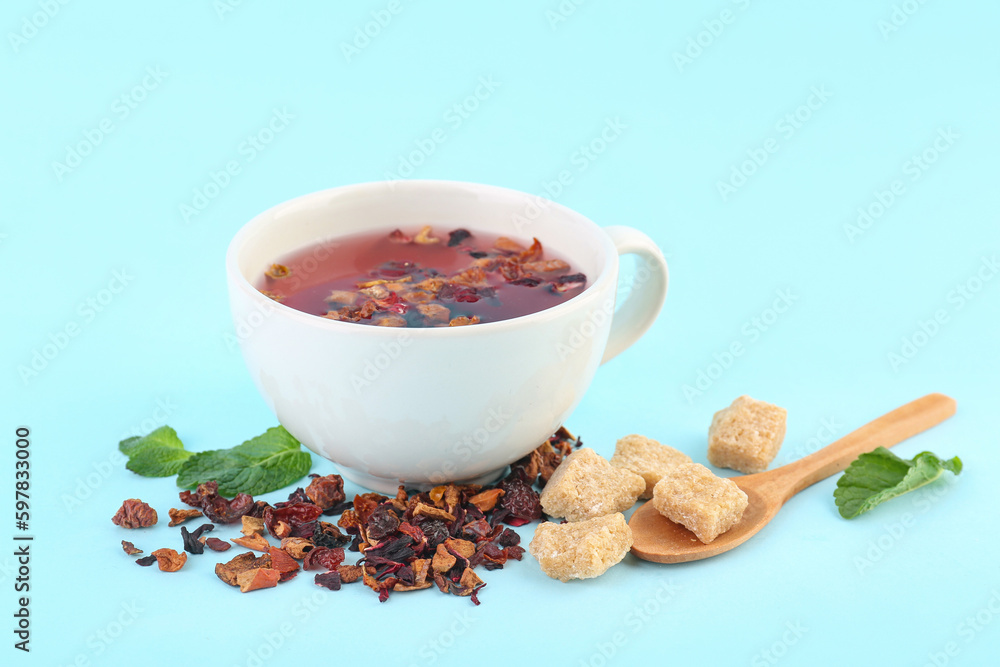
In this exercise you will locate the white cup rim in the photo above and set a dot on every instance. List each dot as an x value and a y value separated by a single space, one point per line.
590 293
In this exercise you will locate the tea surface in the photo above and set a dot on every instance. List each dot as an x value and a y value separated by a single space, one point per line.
422 279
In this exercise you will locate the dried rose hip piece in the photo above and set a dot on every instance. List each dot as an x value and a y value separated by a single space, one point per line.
326 492
215 544
217 508
300 519
323 557
134 514
169 560
130 548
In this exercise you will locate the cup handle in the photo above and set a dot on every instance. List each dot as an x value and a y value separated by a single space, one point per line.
649 289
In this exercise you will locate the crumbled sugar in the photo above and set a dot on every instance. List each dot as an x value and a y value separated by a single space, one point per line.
648 458
746 436
582 549
689 494
585 485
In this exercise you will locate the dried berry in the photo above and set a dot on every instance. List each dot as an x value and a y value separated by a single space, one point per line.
383 522
130 548
326 492
169 560
519 504
217 508
177 517
215 544
134 514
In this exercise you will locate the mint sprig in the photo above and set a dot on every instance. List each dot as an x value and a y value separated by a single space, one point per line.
880 475
159 453
270 461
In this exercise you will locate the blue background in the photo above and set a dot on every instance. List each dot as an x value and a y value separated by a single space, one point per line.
893 109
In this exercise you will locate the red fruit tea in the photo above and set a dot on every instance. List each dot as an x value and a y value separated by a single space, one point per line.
422 279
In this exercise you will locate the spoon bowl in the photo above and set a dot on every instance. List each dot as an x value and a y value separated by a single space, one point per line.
658 539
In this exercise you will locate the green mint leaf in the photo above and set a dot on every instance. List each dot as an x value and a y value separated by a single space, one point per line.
159 453
878 476
270 461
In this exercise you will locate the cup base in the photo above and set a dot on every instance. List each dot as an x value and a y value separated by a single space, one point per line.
389 486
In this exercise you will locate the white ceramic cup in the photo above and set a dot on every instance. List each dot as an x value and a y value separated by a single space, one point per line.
419 407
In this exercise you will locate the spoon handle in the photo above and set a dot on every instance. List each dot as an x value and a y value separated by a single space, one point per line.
886 431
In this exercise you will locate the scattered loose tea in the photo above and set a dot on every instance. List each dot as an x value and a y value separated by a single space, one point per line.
134 514
169 560
177 517
130 548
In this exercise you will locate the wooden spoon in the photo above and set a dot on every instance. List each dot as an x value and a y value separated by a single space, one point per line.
659 539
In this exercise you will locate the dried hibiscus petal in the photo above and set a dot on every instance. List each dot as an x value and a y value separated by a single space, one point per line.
566 283
130 548
191 543
145 561
134 514
177 517
329 580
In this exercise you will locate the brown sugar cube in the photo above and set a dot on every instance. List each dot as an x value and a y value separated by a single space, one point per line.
585 486
746 436
647 458
582 549
692 496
